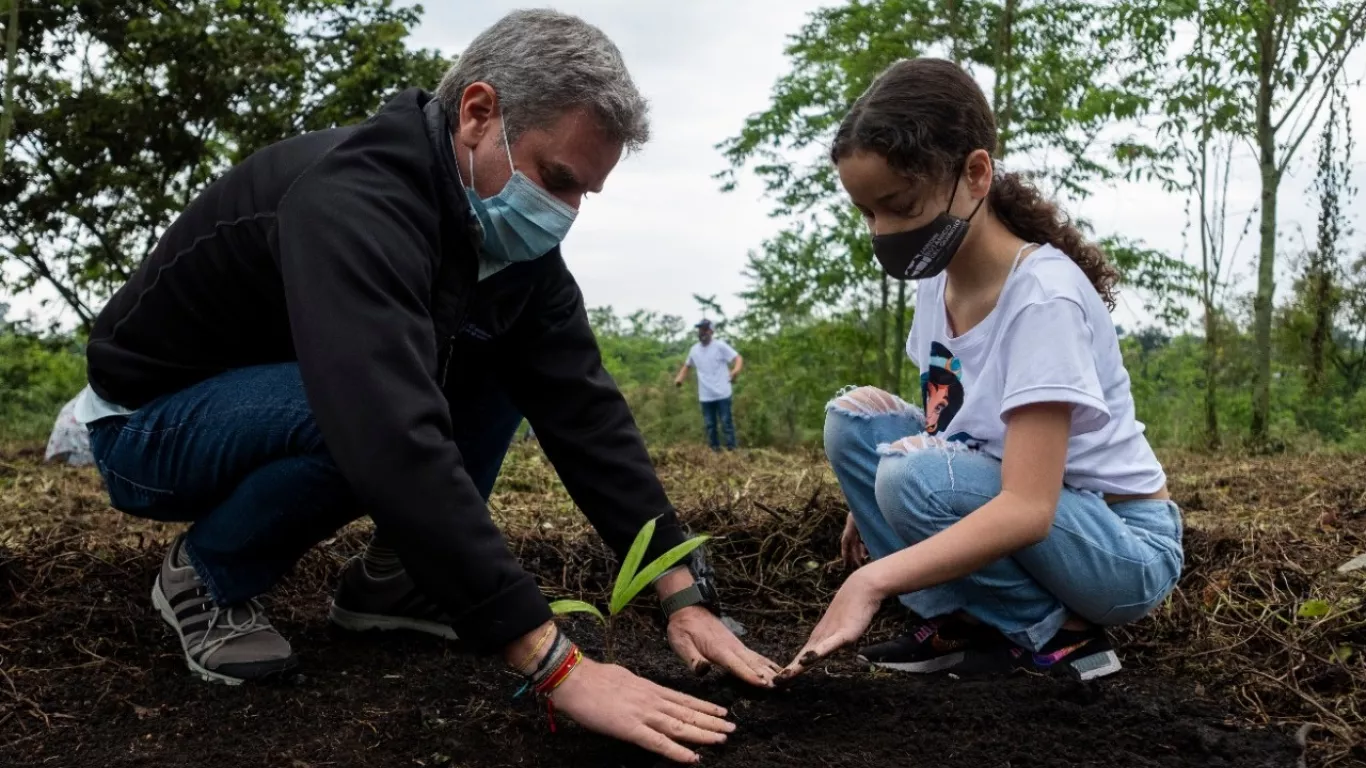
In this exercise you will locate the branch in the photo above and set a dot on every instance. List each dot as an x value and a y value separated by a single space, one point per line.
1278 29
111 253
69 295
1336 48
1294 145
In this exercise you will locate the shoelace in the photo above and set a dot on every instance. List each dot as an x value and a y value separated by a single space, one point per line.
255 622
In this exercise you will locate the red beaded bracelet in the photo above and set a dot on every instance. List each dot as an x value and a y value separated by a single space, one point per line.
555 679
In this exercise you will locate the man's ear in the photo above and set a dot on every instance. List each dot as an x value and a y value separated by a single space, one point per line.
479 108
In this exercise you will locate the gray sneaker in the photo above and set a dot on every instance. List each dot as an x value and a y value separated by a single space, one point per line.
364 602
222 645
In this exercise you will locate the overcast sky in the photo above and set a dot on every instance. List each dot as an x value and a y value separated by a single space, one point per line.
662 230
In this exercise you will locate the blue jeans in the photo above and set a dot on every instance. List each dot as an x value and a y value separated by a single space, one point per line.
1108 563
240 457
718 411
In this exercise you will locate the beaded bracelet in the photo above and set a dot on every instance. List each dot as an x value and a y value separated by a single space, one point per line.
555 680
530 657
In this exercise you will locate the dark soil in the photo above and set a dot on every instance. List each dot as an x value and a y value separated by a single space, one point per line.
91 678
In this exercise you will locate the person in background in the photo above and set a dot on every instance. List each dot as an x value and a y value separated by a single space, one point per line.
1022 511
353 322
717 365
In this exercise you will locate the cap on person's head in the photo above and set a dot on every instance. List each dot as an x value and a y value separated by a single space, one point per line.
704 324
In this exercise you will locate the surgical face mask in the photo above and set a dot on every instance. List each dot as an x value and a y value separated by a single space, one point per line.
924 251
523 221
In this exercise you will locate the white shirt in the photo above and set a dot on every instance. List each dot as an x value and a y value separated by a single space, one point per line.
89 407
1050 339
712 362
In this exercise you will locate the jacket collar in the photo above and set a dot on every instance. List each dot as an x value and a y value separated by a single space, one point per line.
447 176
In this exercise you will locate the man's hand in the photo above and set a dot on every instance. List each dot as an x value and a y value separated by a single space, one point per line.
701 641
844 621
608 699
851 544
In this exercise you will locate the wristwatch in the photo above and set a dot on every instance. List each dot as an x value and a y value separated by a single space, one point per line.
701 592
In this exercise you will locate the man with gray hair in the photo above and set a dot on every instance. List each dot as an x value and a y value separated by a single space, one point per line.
354 322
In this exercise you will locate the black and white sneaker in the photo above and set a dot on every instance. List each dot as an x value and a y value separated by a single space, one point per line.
1085 654
936 645
367 602
222 644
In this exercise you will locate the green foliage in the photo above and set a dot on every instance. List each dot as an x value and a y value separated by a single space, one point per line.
38 373
792 372
125 109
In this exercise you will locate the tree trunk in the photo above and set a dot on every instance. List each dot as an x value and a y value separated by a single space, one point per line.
884 373
899 351
1212 440
955 47
1209 268
1003 94
11 47
1266 265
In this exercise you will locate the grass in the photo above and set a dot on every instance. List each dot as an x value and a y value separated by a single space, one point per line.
1262 618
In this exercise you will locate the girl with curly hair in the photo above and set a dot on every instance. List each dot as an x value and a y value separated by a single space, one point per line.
1023 511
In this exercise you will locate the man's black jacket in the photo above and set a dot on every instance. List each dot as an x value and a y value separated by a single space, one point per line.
353 251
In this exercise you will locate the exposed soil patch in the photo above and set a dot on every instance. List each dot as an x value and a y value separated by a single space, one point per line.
94 679
1222 676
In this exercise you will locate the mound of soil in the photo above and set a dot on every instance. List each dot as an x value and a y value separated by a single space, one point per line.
92 678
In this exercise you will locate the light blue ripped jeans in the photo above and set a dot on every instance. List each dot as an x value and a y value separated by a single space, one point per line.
1108 563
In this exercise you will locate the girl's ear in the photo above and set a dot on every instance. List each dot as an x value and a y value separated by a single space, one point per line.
977 171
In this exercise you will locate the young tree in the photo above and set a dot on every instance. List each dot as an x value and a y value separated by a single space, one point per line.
1274 60
1200 118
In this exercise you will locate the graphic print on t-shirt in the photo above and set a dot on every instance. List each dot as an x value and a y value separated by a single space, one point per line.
941 389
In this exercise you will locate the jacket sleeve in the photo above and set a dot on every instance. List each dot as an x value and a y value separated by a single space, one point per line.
355 255
553 371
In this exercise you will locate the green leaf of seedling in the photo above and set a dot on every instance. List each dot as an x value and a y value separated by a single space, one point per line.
661 564
629 566
561 607
1343 653
1314 609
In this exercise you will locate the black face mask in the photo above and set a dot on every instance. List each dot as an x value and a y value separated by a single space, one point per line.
925 251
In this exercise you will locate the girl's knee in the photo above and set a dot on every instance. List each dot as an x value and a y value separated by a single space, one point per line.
868 402
910 474
858 419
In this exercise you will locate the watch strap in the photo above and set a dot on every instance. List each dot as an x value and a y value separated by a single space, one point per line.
681 599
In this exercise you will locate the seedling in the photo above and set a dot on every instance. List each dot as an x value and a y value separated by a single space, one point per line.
631 580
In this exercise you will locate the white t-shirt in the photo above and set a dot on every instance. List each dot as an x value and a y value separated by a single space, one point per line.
1049 339
712 362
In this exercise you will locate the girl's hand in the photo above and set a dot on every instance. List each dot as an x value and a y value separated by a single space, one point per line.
851 545
844 621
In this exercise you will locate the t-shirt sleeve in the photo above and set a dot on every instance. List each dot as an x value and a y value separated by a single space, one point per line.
691 361
1050 359
728 353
